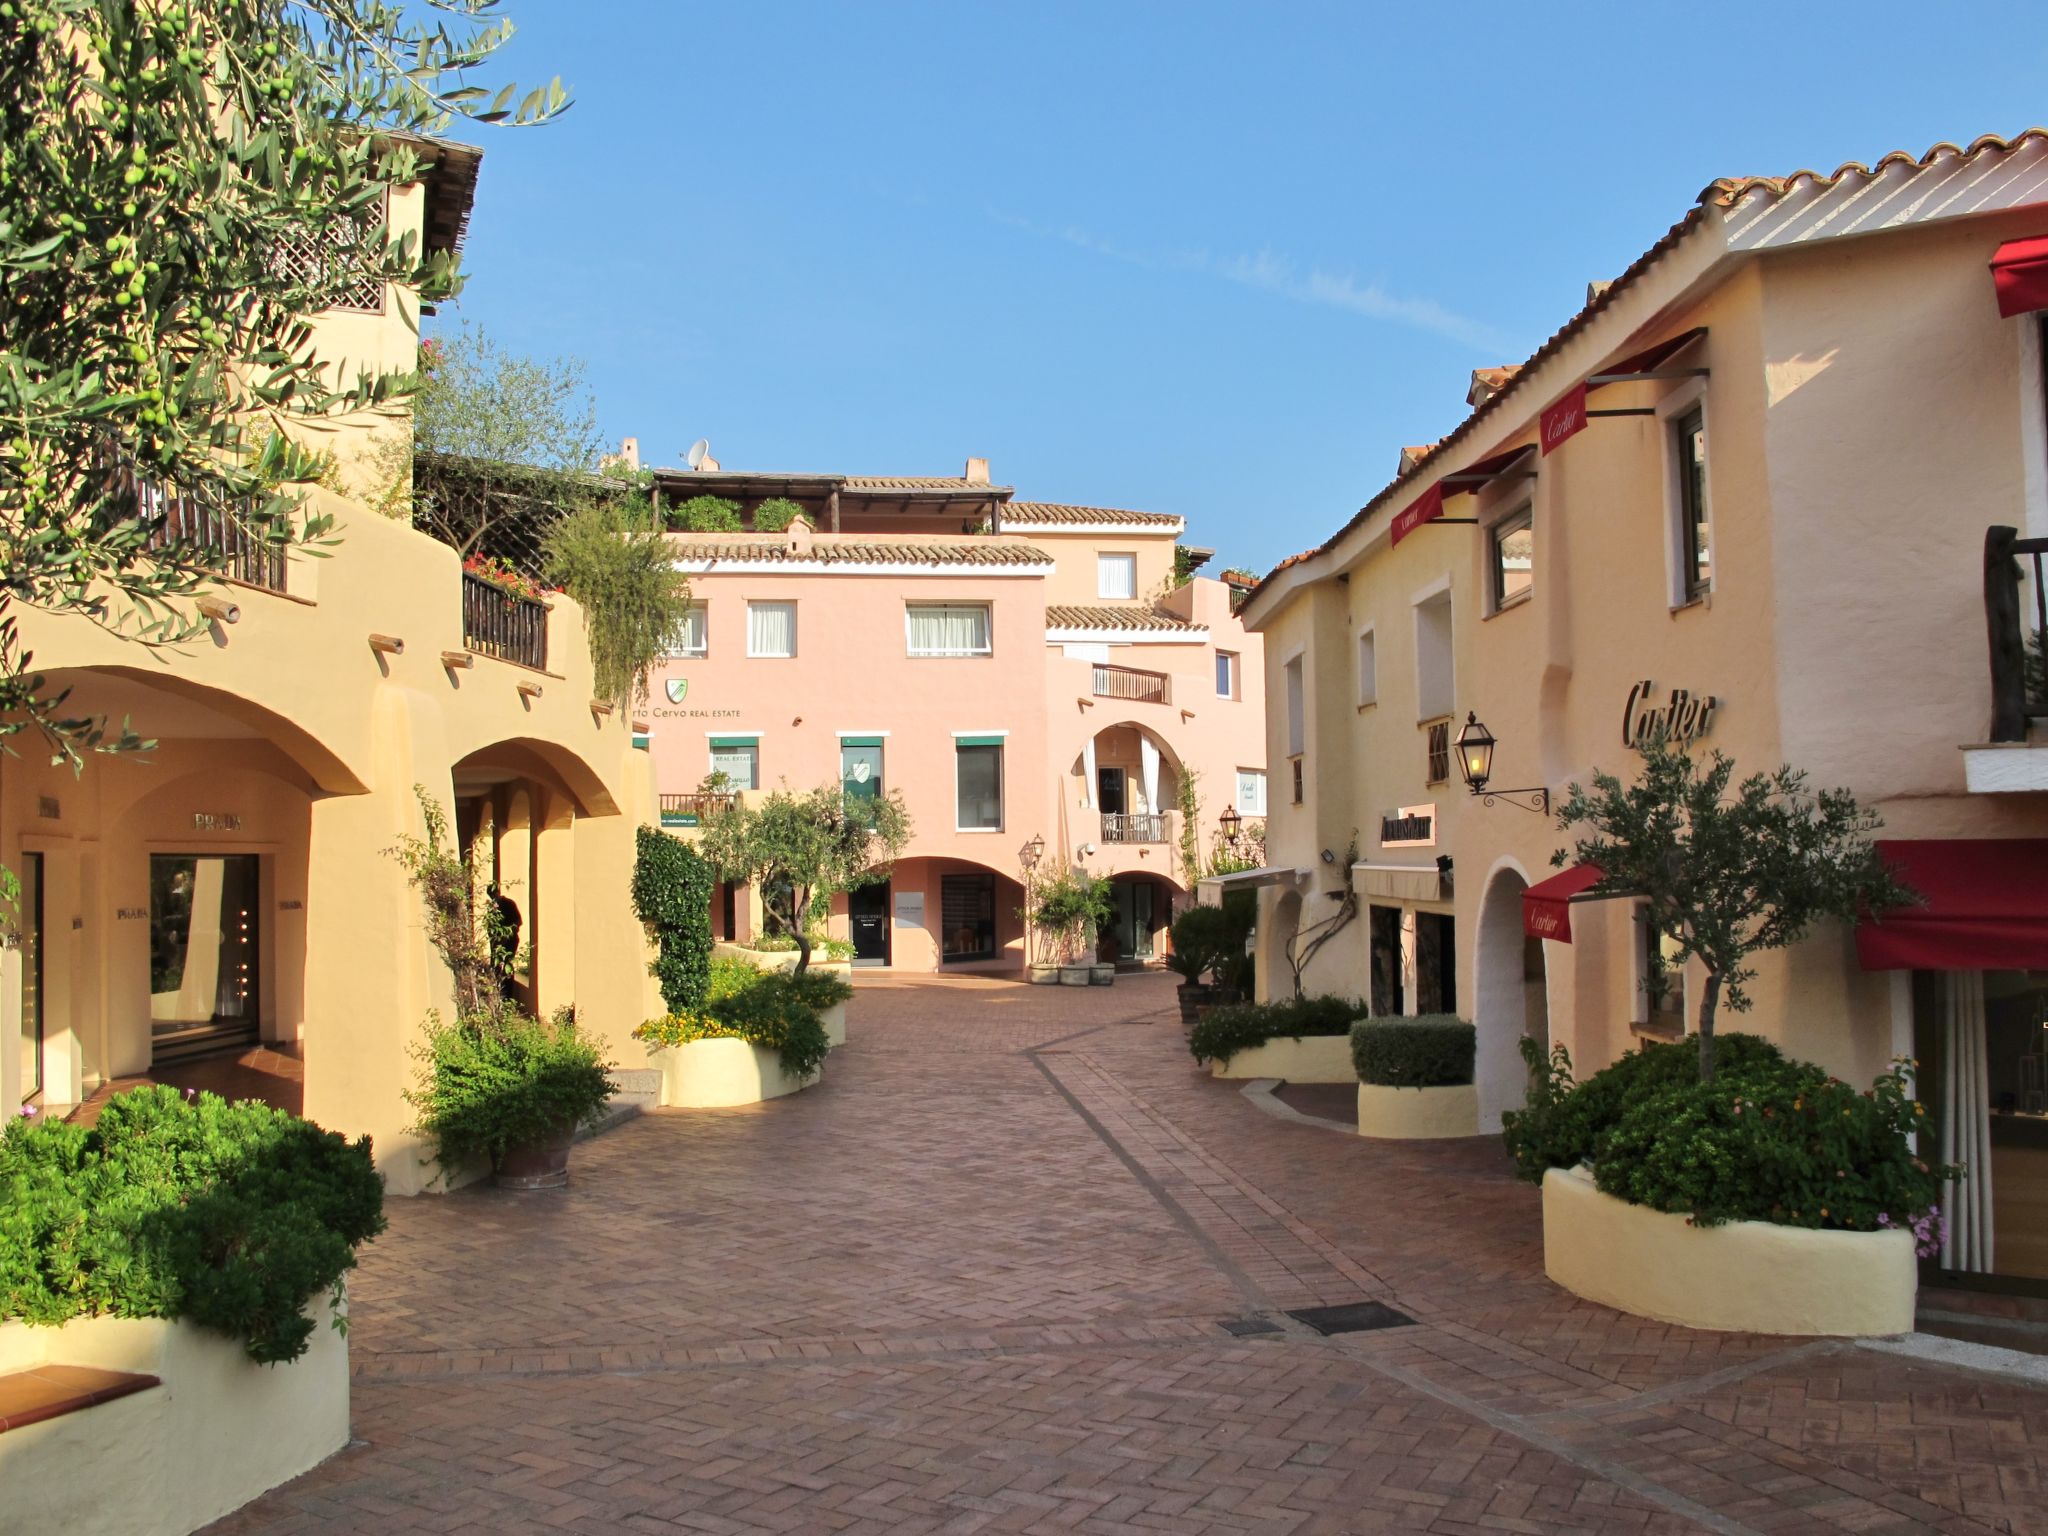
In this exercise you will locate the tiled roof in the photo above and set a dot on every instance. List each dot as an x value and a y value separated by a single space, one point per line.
919 483
858 552
1719 194
1062 512
1070 616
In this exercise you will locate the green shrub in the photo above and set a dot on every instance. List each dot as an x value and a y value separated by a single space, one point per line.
672 896
776 1010
823 947
230 1216
729 973
1431 1050
502 1079
776 514
1766 1140
705 514
1207 939
1240 1026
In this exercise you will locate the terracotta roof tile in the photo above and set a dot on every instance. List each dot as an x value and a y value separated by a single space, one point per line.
1071 616
1063 512
919 483
1726 191
858 551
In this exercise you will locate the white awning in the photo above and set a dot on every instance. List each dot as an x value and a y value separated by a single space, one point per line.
1210 888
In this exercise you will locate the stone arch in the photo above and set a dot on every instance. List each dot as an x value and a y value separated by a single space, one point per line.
559 768
1509 994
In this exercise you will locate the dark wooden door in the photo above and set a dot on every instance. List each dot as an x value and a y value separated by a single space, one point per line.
867 911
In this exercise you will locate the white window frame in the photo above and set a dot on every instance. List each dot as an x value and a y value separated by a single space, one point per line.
1677 579
1257 778
682 652
772 602
1236 660
1429 594
1516 512
910 648
1365 658
1129 560
1001 749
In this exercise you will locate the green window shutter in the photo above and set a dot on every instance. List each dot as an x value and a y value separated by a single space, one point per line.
728 743
977 741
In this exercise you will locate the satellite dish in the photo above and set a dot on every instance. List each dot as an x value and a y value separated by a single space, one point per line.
699 450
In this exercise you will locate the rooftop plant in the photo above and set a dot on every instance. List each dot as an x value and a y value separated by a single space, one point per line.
775 514
705 514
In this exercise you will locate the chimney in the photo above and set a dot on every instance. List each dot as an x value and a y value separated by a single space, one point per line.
629 451
977 472
709 466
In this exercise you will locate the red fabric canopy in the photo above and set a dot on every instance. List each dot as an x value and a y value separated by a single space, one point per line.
1426 508
1429 506
2019 271
1546 905
1654 356
1984 907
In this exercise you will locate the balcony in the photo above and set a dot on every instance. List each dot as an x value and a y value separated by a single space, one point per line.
502 623
1134 827
2016 621
693 809
1132 684
209 536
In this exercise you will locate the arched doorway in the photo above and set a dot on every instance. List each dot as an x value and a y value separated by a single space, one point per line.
1143 909
1511 996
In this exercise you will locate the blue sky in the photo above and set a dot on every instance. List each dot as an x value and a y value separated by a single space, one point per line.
1221 260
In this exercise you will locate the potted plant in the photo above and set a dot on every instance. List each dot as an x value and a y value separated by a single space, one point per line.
1415 1077
1067 910
1203 939
501 1087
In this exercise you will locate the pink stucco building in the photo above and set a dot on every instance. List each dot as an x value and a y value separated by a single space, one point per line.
1020 671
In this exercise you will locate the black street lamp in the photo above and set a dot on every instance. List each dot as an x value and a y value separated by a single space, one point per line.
1475 764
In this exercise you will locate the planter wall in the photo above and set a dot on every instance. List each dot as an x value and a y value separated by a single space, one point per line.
1293 1059
1417 1114
1746 1276
834 1020
717 1074
219 1430
780 959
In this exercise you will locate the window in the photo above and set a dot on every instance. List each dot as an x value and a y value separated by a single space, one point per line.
860 767
739 759
978 784
1251 791
1226 674
1511 544
771 629
967 908
1297 781
1368 670
1660 1006
1695 542
1297 725
947 629
1433 676
694 637
1438 768
1116 575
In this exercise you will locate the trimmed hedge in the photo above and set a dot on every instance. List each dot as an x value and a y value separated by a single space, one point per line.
230 1216
672 895
1239 1027
1431 1050
1767 1140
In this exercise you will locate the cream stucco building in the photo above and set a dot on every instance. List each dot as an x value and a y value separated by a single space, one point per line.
233 884
1751 488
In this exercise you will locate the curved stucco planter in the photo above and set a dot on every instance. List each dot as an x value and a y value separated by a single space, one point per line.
1417 1114
718 1074
1293 1059
1745 1276
834 1020
219 1430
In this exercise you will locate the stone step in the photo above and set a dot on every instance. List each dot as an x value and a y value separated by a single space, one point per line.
639 1089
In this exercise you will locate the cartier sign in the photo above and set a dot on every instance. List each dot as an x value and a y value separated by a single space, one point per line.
1683 717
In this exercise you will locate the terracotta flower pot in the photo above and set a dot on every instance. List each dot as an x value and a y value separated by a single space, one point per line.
538 1164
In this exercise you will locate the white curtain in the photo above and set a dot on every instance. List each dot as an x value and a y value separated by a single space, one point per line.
949 631
1966 1122
690 639
771 629
1116 575
1148 766
1088 774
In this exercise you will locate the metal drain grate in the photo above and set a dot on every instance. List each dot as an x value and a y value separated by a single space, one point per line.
1352 1317
1249 1327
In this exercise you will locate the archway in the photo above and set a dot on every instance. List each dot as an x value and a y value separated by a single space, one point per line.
1279 924
1510 995
1144 904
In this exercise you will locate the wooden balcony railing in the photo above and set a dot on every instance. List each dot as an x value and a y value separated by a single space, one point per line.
223 542
2019 688
1130 683
693 809
1134 827
503 624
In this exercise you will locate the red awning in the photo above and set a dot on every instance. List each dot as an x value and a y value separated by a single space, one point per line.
1984 907
2019 271
1650 359
1546 905
1429 506
1569 415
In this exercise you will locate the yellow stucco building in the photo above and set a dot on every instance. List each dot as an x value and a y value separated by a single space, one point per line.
234 885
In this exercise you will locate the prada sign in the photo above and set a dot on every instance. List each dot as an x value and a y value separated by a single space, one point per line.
1413 826
1686 717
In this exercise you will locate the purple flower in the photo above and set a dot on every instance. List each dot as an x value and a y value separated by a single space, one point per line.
28 1111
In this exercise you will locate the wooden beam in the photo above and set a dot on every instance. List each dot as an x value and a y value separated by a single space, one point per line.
834 504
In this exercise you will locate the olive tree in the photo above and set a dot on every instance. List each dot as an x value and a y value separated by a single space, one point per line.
804 849
1726 870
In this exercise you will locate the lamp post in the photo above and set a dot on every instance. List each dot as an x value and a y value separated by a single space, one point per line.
1475 764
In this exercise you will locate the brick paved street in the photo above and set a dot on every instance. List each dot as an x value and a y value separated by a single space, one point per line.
977 1281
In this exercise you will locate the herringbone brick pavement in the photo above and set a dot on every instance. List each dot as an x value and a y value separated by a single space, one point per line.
976 1281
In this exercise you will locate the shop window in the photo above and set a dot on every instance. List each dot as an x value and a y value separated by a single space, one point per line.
1383 931
860 767
1436 963
1660 1004
978 786
967 907
1511 547
203 948
739 759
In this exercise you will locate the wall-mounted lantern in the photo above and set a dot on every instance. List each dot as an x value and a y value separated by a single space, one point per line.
1229 822
1475 764
1031 853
